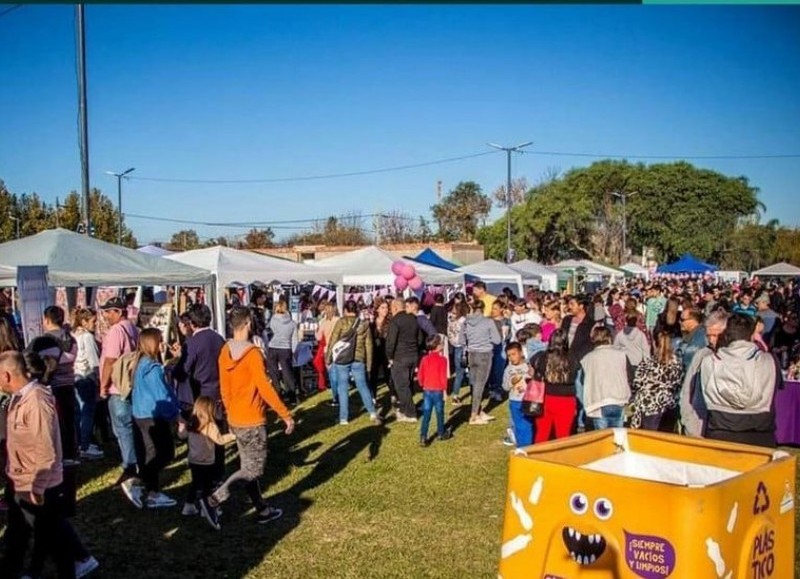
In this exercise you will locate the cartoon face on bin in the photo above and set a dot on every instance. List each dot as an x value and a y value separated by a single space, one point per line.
583 536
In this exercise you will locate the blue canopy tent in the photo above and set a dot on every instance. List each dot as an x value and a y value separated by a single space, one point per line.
430 257
687 264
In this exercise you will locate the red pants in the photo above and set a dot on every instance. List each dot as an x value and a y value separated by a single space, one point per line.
559 414
319 365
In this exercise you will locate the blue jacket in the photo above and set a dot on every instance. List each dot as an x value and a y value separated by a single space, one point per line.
199 363
151 396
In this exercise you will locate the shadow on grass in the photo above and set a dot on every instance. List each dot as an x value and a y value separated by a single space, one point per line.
141 543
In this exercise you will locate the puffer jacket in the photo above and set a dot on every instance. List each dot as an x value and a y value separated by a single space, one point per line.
364 343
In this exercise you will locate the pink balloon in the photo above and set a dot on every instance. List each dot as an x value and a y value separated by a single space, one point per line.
415 283
400 282
408 271
397 267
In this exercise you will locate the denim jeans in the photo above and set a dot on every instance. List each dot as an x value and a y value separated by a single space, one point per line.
498 368
121 415
333 381
86 396
359 371
458 367
432 400
611 417
581 415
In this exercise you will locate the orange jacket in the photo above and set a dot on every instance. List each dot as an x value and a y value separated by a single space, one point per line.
245 388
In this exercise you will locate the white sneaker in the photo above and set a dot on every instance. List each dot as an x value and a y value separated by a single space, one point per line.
160 501
343 423
133 492
189 510
92 452
487 417
83 568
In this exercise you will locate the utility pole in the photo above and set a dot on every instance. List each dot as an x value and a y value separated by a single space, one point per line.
16 221
509 150
119 177
58 211
84 122
624 196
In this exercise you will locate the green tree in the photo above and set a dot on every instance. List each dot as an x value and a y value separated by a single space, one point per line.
460 212
347 230
258 238
184 240
215 241
424 232
674 208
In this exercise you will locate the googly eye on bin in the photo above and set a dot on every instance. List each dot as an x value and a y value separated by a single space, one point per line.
603 509
579 503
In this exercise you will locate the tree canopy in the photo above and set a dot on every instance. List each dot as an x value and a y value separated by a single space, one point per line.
35 215
460 212
670 208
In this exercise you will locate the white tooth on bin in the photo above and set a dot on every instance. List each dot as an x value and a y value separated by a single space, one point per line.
571 531
515 545
591 539
524 518
593 558
577 536
536 491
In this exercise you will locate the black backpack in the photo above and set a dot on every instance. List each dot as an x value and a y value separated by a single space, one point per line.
343 350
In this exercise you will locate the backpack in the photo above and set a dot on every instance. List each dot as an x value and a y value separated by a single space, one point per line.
122 373
343 350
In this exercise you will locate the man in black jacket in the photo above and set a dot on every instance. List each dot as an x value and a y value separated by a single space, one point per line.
402 351
578 327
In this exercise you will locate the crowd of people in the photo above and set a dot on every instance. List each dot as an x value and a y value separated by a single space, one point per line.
690 356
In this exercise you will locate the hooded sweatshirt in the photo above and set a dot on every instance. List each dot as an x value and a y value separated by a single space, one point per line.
479 333
284 332
151 397
634 343
607 378
245 388
738 384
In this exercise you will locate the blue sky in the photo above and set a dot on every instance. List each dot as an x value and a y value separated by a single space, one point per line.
250 92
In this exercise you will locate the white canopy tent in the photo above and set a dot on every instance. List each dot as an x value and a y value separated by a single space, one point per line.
593 269
781 269
548 277
373 266
498 275
636 270
75 260
155 250
8 276
236 267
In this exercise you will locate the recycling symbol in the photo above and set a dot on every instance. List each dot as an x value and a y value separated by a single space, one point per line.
761 502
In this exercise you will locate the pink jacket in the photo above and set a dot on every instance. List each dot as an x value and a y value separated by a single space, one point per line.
34 440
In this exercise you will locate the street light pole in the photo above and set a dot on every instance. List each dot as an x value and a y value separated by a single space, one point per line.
509 150
83 121
624 196
16 222
119 177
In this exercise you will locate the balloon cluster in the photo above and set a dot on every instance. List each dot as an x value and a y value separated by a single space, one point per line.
405 276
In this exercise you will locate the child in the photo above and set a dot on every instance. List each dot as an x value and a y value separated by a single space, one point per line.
530 338
154 409
202 433
514 382
432 378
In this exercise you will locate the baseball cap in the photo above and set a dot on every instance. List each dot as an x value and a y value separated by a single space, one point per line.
114 304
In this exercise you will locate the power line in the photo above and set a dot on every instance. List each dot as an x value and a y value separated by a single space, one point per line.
286 224
688 157
316 177
11 9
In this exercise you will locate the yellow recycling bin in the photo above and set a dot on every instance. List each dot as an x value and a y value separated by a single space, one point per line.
636 504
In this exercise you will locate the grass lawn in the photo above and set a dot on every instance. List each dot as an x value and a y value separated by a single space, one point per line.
359 501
